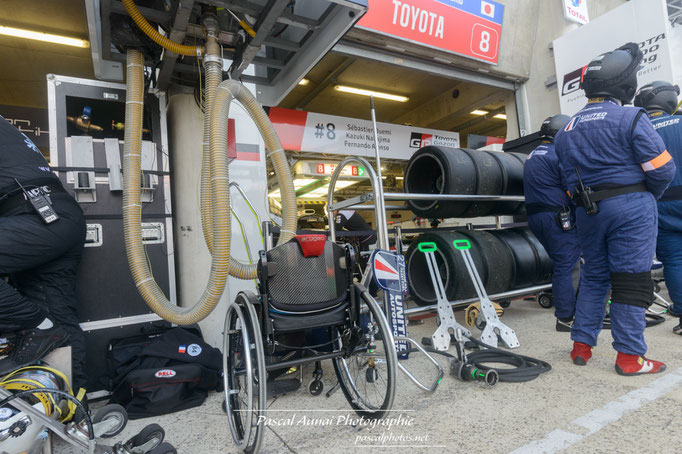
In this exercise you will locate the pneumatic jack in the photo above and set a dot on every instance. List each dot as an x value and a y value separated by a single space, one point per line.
461 368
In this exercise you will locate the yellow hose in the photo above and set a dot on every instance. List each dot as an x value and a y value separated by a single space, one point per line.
213 68
132 213
226 92
157 37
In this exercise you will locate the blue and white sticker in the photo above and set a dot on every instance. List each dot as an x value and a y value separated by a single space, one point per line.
389 273
5 413
194 350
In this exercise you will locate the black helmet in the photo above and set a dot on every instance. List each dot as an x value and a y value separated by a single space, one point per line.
613 74
551 126
658 95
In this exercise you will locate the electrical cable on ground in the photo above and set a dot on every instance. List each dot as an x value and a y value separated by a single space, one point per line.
78 403
525 368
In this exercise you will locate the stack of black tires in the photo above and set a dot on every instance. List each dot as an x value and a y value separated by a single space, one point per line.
444 170
506 259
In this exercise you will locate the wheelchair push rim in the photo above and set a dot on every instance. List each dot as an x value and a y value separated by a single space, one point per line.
368 376
244 374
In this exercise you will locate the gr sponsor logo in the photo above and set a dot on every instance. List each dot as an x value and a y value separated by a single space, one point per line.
571 82
418 140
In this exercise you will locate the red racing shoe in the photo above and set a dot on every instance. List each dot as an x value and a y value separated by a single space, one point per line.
637 365
581 353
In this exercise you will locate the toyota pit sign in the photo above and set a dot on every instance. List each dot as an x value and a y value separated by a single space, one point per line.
471 28
576 11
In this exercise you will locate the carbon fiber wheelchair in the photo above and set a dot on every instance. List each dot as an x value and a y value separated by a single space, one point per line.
305 286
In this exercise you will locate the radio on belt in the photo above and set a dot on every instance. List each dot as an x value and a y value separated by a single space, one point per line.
41 204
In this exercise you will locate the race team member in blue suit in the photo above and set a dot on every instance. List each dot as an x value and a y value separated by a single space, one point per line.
546 201
660 100
615 167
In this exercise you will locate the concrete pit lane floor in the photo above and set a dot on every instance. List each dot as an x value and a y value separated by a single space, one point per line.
571 409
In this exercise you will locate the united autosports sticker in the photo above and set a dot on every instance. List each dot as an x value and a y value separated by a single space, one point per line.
390 275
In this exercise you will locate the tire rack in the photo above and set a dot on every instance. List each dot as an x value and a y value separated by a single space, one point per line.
379 207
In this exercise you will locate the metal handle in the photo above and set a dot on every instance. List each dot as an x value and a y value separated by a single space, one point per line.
461 244
414 379
427 247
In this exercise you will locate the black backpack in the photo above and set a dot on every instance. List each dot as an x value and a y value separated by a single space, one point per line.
173 372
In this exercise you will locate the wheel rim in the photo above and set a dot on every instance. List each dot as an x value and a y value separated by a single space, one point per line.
235 336
120 423
368 375
244 374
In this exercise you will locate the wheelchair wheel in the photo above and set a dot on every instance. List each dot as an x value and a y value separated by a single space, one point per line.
368 376
244 373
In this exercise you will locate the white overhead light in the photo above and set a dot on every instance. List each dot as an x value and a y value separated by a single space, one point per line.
399 178
322 191
376 94
39 36
500 116
303 82
479 112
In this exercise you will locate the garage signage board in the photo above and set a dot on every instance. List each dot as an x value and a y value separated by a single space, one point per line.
471 28
639 21
576 11
320 133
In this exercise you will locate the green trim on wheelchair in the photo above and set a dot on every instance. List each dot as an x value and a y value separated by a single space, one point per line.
427 247
461 244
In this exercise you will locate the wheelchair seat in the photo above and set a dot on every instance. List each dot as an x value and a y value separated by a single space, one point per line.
307 283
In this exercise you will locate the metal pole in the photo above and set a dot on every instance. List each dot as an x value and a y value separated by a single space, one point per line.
371 176
382 228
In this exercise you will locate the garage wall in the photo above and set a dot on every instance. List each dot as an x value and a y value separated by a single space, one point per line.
543 100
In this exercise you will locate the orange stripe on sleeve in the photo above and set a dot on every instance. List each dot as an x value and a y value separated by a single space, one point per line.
659 161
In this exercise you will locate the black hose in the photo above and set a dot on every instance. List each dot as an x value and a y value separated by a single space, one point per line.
79 404
525 368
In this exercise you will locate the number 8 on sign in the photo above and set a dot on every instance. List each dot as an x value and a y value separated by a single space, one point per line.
484 45
484 41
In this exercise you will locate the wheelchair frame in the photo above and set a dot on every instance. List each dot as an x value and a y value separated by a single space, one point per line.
248 319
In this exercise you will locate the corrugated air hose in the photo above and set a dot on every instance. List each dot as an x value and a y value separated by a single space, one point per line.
158 38
137 259
227 91
217 184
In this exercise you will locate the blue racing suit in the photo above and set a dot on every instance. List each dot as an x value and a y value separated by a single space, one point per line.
545 197
611 146
669 244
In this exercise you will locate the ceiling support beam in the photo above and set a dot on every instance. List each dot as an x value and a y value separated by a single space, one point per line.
352 49
177 34
266 21
478 120
447 122
419 111
331 78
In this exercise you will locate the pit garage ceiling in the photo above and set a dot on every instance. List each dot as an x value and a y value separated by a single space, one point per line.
434 102
22 76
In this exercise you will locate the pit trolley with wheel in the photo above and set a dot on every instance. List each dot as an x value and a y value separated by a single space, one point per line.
306 291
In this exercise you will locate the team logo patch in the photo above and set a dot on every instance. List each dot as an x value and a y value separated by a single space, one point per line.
572 124
194 350
165 373
5 413
182 349
386 271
